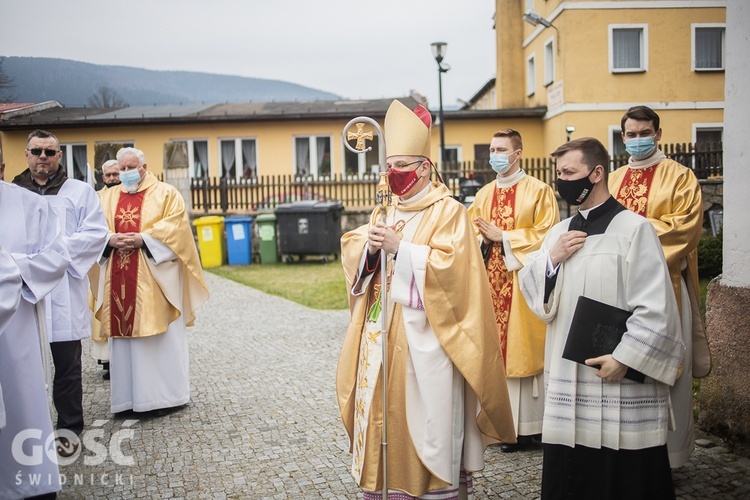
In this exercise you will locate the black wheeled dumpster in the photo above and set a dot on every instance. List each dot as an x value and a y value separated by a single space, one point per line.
309 228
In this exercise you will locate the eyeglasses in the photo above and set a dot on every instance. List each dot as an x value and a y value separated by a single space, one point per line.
47 152
405 164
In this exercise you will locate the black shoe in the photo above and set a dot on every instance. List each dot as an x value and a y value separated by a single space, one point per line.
522 443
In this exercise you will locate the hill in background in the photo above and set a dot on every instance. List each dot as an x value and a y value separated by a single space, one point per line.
71 83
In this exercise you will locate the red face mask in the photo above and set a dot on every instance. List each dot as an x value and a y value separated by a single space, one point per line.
401 182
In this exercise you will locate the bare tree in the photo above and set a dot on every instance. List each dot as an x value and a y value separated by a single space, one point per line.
106 97
6 85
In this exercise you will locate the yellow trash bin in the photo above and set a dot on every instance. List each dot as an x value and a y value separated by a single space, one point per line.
210 231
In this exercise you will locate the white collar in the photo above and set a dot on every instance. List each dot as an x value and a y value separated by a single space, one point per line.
510 180
656 157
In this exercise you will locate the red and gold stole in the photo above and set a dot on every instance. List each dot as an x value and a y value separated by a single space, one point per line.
501 280
124 274
633 191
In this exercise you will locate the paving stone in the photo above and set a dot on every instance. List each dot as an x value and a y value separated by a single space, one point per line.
263 420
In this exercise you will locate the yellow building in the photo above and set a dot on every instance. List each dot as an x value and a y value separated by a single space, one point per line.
589 61
240 140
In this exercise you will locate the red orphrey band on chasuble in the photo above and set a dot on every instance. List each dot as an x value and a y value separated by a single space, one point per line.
501 280
633 191
124 273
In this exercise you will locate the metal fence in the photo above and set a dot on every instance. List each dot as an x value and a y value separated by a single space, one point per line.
264 193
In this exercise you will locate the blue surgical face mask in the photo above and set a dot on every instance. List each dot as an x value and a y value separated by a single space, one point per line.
500 162
640 147
130 177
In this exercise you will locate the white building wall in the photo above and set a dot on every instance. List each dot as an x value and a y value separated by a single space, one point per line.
736 270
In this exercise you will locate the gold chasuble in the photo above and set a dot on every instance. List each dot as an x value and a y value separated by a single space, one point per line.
669 196
525 212
458 306
134 304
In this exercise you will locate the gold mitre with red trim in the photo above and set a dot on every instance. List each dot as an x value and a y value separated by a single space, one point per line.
407 132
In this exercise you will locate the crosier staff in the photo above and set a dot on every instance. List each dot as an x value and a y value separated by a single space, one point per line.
383 197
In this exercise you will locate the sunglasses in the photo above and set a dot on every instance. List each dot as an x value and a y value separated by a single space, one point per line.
47 152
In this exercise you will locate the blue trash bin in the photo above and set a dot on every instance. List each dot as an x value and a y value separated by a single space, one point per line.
239 240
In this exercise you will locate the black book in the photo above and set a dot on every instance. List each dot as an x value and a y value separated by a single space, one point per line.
596 330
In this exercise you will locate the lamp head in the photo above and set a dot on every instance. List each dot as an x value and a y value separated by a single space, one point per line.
534 19
570 129
438 50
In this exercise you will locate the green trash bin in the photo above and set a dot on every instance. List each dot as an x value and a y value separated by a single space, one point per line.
210 231
267 238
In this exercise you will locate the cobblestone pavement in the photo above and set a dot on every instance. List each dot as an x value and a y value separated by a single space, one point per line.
263 420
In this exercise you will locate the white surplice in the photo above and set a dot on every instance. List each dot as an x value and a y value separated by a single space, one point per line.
30 234
623 267
84 228
149 373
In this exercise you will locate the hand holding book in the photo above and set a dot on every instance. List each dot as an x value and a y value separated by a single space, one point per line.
609 368
594 333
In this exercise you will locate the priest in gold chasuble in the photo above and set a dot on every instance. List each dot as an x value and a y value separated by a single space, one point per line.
512 215
150 283
669 196
447 397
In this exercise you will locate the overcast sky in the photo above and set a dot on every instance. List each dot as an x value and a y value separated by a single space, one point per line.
355 48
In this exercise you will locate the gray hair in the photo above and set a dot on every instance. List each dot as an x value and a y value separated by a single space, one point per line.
109 163
123 152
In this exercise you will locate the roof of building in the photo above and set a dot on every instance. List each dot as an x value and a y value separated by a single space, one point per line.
57 116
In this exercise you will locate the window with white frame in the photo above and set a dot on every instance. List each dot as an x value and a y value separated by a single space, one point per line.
238 158
708 47
453 159
312 155
357 165
628 48
531 75
549 61
75 161
707 158
198 158
616 146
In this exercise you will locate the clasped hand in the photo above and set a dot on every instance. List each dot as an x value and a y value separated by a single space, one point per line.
490 232
382 236
126 241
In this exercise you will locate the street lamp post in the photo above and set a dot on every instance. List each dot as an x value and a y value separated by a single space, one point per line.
438 51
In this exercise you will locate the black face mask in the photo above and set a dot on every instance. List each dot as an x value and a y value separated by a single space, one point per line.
575 192
112 184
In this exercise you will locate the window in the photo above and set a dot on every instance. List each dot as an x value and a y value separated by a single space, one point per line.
708 150
481 156
312 155
198 158
549 62
451 166
357 165
628 48
617 147
530 75
708 47
104 151
238 158
74 161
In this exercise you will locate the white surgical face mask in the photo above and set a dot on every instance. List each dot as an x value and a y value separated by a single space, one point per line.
500 162
129 180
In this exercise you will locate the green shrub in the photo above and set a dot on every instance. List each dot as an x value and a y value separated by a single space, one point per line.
710 256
